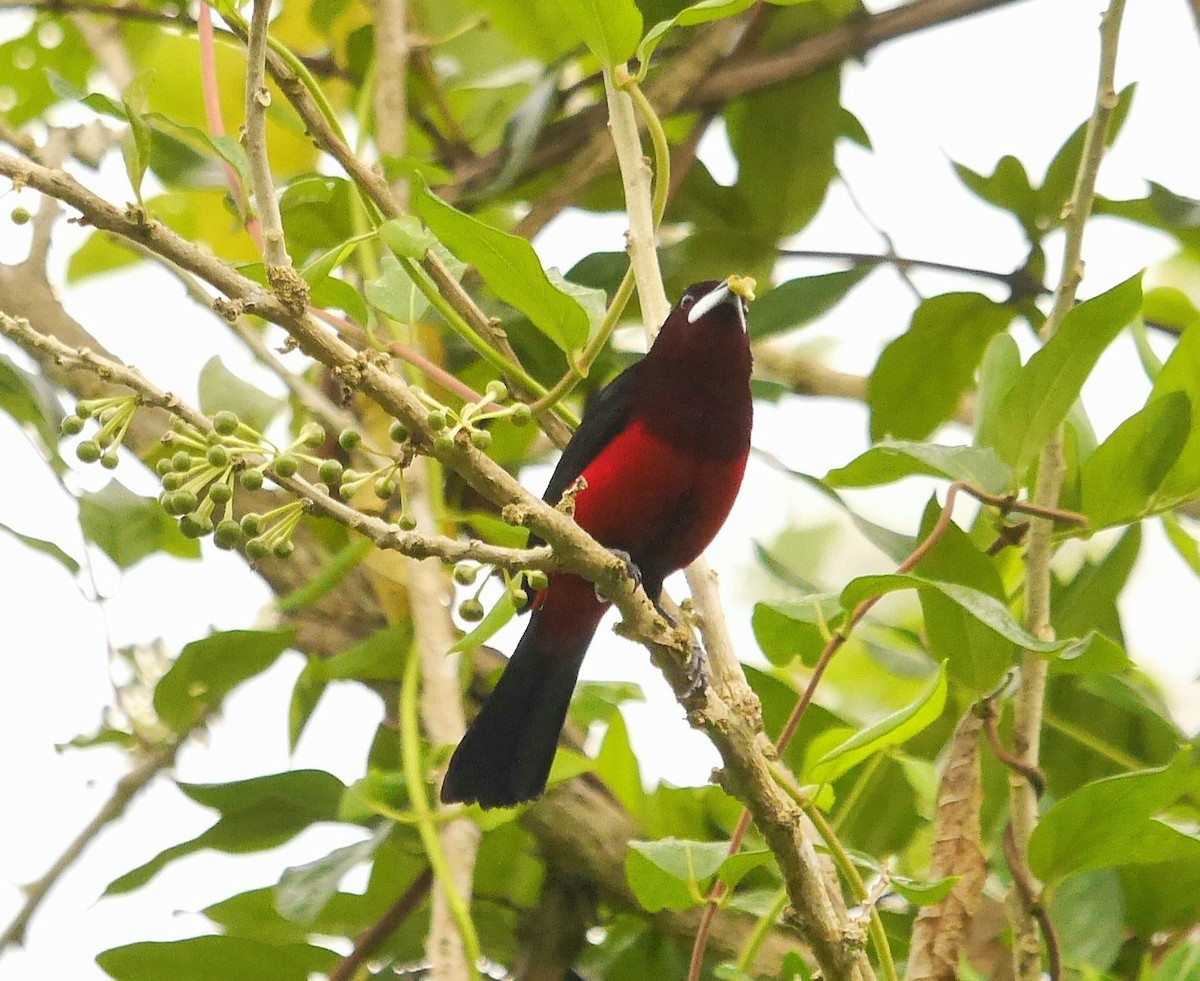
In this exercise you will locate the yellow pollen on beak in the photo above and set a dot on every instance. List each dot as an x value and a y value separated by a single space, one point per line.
743 286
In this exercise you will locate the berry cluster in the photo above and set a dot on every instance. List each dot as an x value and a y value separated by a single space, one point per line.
114 414
447 423
518 586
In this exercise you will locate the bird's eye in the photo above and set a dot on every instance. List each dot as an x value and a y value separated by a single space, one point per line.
686 301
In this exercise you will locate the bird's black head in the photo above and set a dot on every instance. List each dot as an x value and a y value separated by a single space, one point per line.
715 300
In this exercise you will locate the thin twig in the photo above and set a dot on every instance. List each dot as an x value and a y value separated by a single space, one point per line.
367 942
254 139
1031 694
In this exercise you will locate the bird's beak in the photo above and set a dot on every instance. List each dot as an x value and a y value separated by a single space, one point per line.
733 291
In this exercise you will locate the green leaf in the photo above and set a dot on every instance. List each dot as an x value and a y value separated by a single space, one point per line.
795 628
1183 543
999 369
216 959
697 13
135 146
909 401
305 890
1088 913
894 730
319 269
222 389
801 301
1179 374
921 892
32 404
737 867
511 269
1088 601
783 138
892 460
610 28
378 658
975 655
617 766
207 670
984 608
672 873
33 66
127 527
891 543
45 547
1070 838
256 814
1093 653
1049 384
1119 482
1008 188
407 237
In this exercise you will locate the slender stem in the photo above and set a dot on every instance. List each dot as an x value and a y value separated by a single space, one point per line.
366 942
414 776
254 139
858 889
761 928
1011 279
1031 695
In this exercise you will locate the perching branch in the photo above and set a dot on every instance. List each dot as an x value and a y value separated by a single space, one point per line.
1027 724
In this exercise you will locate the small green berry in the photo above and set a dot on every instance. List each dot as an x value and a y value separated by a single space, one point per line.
481 439
497 390
228 533
88 451
330 471
164 467
471 610
252 524
194 527
181 462
347 491
285 466
225 422
220 493
251 479
406 522
398 432
465 573
83 410
436 420
71 425
173 481
537 580
109 460
443 443
283 549
212 437
20 216
521 414
182 426
257 549
183 502
312 434
385 487
519 597
349 438
218 457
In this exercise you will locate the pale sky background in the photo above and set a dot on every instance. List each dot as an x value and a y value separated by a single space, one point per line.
1017 80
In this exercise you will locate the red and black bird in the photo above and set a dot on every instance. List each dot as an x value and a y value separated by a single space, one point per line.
662 449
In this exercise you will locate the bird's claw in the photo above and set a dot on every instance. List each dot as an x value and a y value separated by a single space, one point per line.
631 570
694 671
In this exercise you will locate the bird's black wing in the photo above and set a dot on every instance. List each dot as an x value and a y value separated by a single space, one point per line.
604 418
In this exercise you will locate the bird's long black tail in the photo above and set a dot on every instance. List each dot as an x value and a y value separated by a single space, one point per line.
504 759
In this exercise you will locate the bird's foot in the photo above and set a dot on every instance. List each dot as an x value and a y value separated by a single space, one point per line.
631 570
694 670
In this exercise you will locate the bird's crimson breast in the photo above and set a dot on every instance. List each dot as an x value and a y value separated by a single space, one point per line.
659 501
